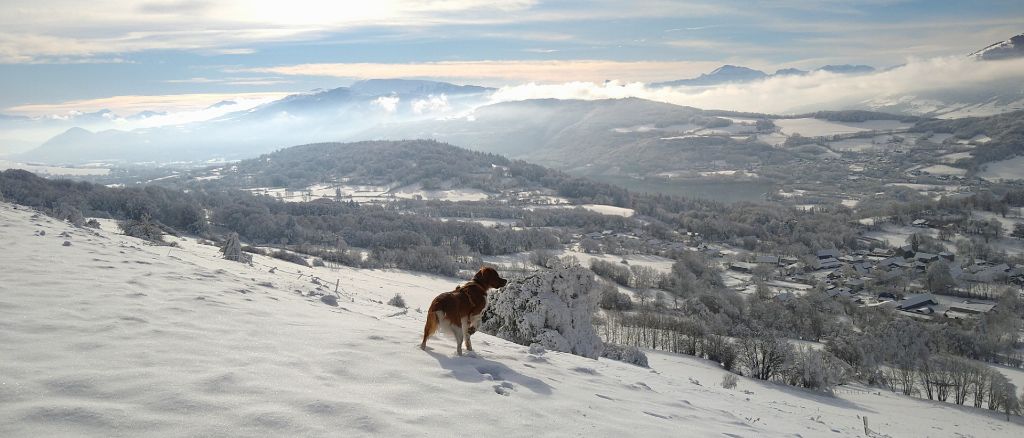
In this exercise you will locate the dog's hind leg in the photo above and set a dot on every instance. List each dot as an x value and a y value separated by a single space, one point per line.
467 332
459 333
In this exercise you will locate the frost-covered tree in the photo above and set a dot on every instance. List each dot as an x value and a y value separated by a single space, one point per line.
232 249
552 308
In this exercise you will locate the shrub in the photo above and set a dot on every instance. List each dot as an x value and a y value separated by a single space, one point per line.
143 229
254 250
729 381
397 301
612 299
289 257
814 369
630 354
617 273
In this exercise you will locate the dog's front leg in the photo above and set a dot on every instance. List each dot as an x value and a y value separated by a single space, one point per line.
466 333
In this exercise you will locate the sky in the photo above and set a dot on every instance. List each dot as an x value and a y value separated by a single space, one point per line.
57 56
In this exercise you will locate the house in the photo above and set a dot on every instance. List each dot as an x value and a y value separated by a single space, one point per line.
881 252
947 256
828 254
840 292
916 302
827 263
742 267
967 310
921 223
850 259
894 262
855 284
925 257
972 308
767 260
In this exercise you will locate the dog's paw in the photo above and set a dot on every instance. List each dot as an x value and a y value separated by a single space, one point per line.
471 330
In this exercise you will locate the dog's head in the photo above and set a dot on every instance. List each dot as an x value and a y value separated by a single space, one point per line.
488 277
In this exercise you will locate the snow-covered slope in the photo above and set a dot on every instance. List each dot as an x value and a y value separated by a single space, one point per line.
1011 48
112 337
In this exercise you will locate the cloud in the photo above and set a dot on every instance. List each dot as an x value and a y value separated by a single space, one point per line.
388 103
516 70
131 104
431 104
820 90
49 30
230 81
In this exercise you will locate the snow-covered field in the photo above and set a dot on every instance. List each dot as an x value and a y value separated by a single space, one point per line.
610 210
942 169
809 127
54 170
955 156
113 337
1012 168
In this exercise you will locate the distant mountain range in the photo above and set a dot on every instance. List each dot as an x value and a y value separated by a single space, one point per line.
540 129
321 115
727 74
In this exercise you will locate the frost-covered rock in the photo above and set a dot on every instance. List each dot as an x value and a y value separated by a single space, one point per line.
551 308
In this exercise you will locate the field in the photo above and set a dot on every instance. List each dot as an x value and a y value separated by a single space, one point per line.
140 340
1010 169
54 170
809 127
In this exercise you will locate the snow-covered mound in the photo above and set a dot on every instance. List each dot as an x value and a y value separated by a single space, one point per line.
112 337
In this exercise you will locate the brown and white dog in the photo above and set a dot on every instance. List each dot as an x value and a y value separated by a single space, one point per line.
459 311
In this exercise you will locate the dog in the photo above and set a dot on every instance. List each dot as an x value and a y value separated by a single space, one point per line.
460 310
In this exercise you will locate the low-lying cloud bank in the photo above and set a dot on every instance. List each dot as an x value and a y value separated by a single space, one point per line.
787 94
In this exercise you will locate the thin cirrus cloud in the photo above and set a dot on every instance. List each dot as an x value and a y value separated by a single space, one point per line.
130 104
502 71
51 30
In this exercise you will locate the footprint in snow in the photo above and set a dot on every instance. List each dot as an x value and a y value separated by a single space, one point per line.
504 389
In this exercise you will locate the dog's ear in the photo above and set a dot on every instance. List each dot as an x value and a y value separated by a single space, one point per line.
479 276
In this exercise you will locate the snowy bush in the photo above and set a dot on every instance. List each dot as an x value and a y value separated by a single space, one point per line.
143 229
397 301
814 369
232 250
729 381
552 308
290 257
630 354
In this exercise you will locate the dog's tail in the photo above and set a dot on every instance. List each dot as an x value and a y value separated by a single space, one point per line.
431 325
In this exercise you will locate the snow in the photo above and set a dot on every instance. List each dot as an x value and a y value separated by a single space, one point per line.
942 169
954 157
1010 169
114 337
610 210
53 170
809 127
